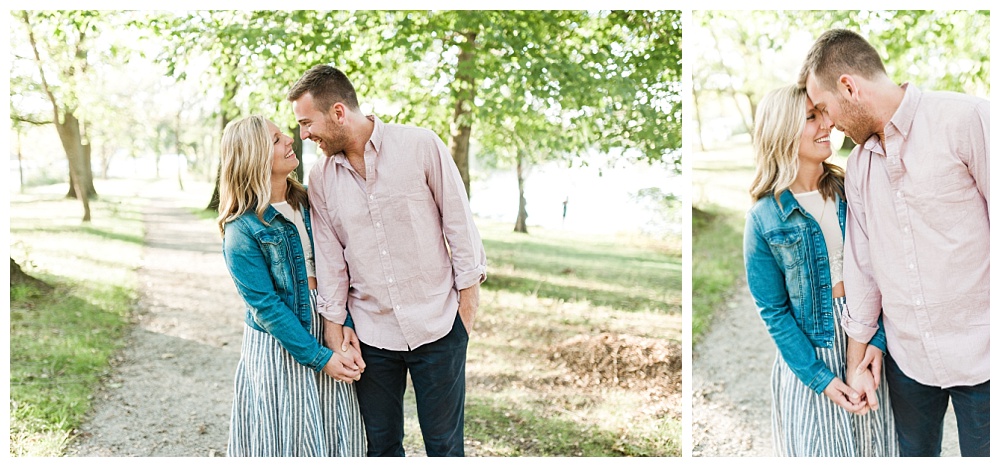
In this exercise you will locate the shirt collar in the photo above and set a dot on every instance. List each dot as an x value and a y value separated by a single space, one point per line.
900 123
902 120
375 140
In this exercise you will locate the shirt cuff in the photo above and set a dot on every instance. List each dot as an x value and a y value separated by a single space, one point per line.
331 311
857 330
470 278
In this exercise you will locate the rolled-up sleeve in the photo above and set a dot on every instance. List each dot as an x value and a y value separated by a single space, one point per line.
468 254
331 268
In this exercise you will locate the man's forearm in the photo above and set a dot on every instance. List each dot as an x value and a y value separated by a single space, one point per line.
855 354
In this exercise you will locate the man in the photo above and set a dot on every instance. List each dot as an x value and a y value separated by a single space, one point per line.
396 245
917 240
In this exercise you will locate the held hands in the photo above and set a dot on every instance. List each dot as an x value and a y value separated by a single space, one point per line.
865 378
351 349
844 396
346 364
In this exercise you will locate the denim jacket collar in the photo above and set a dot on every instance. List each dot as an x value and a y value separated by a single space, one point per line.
786 204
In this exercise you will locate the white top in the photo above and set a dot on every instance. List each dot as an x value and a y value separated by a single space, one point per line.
296 218
824 211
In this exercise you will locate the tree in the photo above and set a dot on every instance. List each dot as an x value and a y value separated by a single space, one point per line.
744 54
63 36
255 56
533 85
20 278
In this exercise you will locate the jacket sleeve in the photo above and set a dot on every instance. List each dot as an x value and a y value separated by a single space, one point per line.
255 285
767 286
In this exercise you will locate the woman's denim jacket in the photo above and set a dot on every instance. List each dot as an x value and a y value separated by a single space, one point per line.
788 272
269 269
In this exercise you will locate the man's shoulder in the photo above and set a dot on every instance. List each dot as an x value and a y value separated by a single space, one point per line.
409 132
953 100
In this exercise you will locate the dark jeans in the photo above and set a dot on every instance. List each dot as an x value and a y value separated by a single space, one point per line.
920 410
437 370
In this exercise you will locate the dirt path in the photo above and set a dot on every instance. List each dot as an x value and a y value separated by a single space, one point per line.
171 391
731 400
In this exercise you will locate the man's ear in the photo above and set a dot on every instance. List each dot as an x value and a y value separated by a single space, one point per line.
338 113
848 87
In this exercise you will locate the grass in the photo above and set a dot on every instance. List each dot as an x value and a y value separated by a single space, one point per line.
544 289
61 341
717 262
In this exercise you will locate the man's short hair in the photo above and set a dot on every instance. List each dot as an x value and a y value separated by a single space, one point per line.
838 52
327 85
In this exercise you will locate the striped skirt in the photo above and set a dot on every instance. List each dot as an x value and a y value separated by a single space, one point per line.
282 408
804 423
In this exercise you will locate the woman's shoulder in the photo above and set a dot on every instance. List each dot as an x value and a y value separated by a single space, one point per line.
764 205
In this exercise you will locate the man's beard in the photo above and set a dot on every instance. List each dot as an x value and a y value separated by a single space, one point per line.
857 122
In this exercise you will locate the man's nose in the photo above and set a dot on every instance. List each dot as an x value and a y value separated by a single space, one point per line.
825 121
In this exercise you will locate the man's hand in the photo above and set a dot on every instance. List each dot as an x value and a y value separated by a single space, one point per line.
351 348
872 362
468 304
334 339
863 383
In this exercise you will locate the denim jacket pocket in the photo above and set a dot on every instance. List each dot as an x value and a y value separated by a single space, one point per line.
789 248
276 251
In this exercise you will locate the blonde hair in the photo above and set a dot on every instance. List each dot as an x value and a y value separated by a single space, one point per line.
245 172
778 127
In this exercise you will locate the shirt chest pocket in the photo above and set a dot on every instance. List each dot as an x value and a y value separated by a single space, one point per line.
412 202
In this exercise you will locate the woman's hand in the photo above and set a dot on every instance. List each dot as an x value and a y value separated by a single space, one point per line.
846 397
340 369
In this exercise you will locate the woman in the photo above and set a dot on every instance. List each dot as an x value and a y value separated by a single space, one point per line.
293 396
793 251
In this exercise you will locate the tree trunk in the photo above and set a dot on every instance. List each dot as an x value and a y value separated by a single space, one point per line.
300 170
465 94
88 172
20 161
228 94
521 225
177 149
19 277
69 134
697 118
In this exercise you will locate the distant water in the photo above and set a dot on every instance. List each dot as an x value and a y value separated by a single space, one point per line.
600 199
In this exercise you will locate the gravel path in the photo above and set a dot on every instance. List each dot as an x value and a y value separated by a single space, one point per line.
172 388
731 369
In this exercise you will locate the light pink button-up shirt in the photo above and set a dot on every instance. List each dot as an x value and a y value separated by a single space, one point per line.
396 247
918 238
